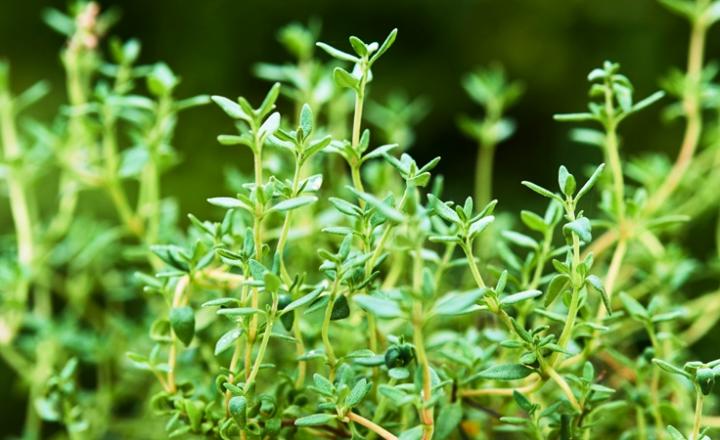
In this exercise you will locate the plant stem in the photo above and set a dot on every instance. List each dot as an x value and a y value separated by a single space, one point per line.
698 414
182 284
359 101
525 389
641 425
329 352
257 238
483 174
379 430
692 106
19 207
467 247
280 248
573 308
426 414
263 344
562 383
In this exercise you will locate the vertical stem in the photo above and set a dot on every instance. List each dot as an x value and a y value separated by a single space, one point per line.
426 414
641 425
257 238
418 320
655 385
329 352
182 284
575 298
483 174
698 414
359 100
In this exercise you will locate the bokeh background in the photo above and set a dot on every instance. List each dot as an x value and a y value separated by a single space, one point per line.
548 45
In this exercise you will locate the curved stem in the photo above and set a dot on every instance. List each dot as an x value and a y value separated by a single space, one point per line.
263 344
692 106
379 430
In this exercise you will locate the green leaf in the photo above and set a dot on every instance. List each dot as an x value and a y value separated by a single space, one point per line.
358 393
443 210
448 419
650 100
480 225
230 139
557 285
239 311
383 208
306 120
520 239
415 433
633 307
596 284
182 321
227 340
341 309
670 368
358 45
581 227
380 307
343 78
590 182
542 191
335 53
323 385
227 202
505 372
574 117
315 420
458 303
219 302
238 410
272 282
675 434
389 40
533 221
303 300
294 203
566 181
231 108
271 124
520 296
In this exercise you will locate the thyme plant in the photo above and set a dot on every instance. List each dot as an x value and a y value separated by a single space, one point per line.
336 292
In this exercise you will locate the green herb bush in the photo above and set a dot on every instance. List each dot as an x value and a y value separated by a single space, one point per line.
335 292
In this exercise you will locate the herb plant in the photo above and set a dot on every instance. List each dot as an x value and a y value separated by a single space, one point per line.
336 292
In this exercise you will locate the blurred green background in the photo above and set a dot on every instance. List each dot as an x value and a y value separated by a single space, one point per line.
548 45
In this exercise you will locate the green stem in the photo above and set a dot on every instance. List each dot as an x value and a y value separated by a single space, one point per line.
641 425
698 414
426 414
467 247
562 383
263 344
19 208
325 331
280 248
573 308
483 174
